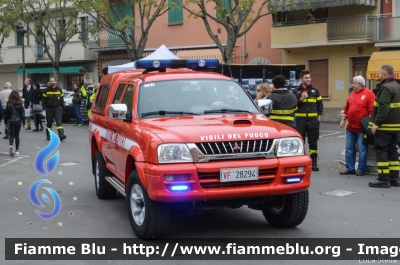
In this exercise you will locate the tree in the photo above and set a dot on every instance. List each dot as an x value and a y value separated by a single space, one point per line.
51 22
127 21
7 24
235 16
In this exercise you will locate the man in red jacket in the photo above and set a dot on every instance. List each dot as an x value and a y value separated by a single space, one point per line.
359 105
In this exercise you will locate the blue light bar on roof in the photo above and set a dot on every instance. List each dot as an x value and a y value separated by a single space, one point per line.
192 63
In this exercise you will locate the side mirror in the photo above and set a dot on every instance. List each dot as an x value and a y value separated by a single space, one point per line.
265 105
117 111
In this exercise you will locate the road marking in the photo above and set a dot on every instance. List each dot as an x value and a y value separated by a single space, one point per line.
331 134
68 164
339 193
13 160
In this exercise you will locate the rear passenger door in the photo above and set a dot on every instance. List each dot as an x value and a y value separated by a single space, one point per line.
101 122
123 130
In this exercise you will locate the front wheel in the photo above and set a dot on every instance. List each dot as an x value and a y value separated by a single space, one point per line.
149 219
287 211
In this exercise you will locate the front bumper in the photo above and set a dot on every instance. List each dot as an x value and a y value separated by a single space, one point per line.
205 185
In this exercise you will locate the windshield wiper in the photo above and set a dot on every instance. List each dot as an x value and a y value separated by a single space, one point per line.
226 111
163 112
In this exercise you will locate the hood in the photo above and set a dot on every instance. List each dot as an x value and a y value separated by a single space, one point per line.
216 128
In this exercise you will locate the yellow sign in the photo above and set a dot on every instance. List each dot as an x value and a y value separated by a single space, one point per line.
375 75
380 58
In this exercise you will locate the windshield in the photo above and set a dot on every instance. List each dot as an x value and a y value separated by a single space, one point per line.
193 97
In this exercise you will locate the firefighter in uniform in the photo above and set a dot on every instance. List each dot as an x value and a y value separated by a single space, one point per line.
385 125
89 100
284 103
53 103
308 114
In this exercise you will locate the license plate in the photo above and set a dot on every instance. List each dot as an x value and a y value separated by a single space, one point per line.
238 174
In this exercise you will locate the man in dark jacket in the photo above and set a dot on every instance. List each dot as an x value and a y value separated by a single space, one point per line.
385 125
284 103
308 114
27 94
76 105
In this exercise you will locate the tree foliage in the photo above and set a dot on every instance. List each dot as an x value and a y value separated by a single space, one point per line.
237 17
7 23
125 22
51 22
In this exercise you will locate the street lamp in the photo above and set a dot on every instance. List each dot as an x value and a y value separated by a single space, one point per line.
22 31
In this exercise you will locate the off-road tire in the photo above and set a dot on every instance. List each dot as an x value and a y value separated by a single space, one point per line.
104 190
156 214
291 214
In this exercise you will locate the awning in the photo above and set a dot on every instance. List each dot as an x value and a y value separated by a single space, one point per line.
200 54
380 58
293 5
49 70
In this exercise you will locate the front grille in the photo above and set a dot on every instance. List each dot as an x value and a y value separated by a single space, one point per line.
212 179
235 147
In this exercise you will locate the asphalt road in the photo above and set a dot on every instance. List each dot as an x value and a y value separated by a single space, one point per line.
364 213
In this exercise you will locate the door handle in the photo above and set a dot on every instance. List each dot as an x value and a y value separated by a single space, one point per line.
114 129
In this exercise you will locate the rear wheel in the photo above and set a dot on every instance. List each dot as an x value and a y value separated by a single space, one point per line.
104 190
149 219
287 210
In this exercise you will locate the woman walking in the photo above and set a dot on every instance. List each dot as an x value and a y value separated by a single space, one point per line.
37 114
13 119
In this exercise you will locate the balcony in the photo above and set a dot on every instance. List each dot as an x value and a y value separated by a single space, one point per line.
294 5
385 29
2 53
329 31
105 39
350 28
40 54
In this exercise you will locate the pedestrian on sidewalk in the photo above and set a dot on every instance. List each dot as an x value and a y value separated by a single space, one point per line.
37 114
4 99
359 105
14 117
385 125
76 105
27 94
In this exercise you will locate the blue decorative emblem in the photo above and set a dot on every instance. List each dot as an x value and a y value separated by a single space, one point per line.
46 169
45 152
33 195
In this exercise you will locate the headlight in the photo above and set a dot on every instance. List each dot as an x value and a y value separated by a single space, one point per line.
290 147
174 153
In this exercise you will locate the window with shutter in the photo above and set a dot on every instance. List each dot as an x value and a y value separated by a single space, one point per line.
319 70
175 12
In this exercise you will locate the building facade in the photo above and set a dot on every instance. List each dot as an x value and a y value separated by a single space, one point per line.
77 63
187 38
346 38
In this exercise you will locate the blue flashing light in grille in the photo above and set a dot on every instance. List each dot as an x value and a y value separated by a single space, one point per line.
192 63
292 180
180 187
